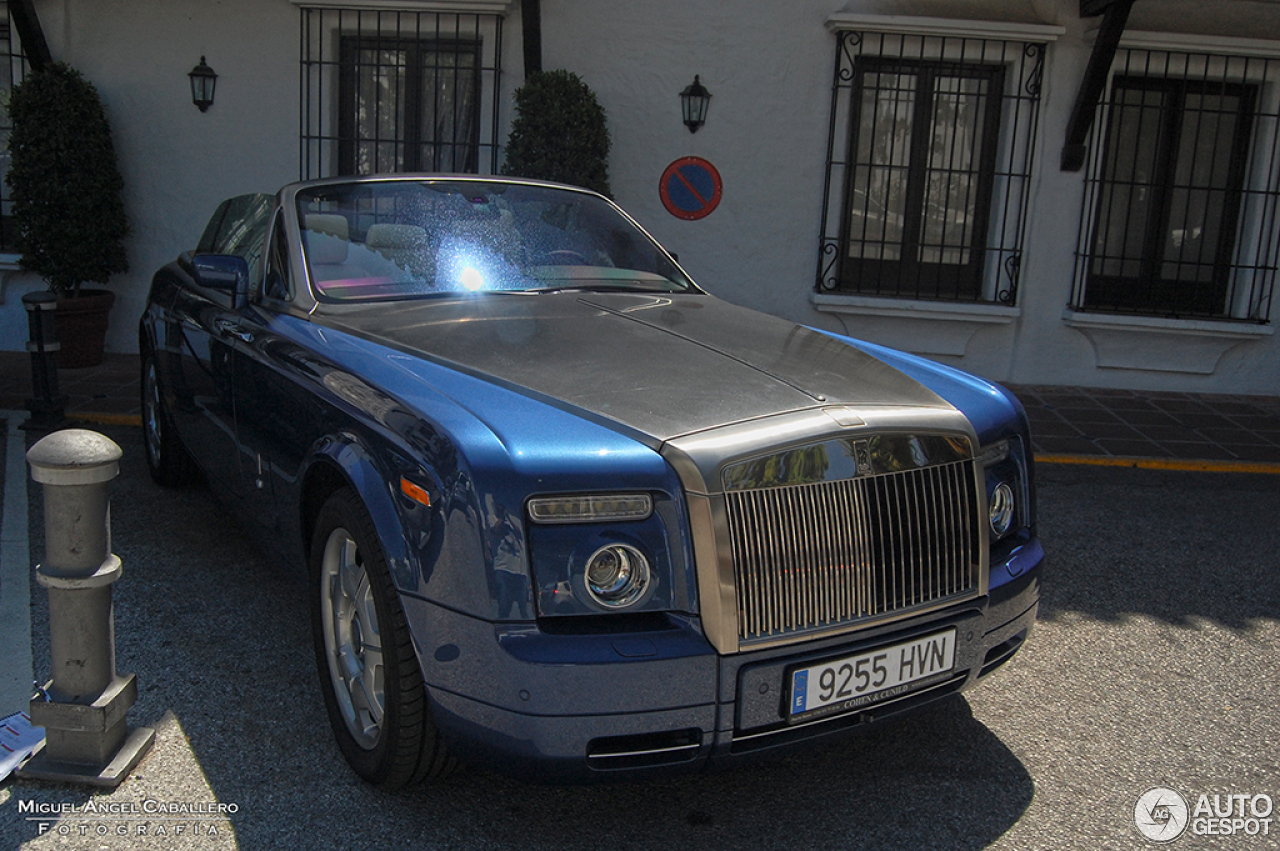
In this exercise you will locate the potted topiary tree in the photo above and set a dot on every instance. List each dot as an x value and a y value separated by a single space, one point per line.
559 132
67 205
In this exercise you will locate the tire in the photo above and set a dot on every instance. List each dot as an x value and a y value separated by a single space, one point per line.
167 459
369 673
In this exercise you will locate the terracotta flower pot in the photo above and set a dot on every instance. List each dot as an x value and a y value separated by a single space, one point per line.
81 326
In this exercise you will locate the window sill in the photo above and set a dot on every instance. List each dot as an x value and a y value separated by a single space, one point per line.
929 327
478 7
1161 345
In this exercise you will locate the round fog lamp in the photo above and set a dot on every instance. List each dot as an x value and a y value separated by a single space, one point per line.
1001 511
617 575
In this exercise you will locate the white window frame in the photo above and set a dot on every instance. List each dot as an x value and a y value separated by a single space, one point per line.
946 40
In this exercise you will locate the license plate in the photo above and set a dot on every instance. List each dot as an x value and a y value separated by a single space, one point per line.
855 681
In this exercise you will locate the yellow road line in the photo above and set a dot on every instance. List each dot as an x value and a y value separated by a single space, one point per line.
105 419
1163 463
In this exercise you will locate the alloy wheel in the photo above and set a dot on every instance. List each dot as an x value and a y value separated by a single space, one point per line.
151 416
352 640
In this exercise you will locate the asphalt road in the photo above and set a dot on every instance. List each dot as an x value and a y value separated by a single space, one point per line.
1154 663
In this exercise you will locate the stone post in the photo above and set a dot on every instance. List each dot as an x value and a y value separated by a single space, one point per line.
86 738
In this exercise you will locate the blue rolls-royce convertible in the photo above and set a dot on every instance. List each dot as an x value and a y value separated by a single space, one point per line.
564 513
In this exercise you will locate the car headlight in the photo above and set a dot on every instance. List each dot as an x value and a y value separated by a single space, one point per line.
994 454
617 575
1001 510
1004 468
622 553
590 508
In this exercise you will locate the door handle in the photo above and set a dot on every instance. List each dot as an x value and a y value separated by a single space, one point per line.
234 329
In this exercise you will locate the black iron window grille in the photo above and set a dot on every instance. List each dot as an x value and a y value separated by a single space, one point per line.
1179 215
929 163
396 91
12 69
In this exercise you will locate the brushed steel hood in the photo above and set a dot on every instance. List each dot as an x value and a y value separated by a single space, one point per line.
660 365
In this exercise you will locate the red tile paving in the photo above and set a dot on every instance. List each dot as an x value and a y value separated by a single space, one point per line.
1156 424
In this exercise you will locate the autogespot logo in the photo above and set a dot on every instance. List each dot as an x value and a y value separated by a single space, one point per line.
1161 814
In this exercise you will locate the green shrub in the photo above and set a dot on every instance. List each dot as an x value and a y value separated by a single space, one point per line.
559 133
66 186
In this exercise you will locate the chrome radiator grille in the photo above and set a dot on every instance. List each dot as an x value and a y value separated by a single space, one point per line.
816 556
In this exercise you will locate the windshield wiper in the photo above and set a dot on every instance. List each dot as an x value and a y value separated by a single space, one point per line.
597 288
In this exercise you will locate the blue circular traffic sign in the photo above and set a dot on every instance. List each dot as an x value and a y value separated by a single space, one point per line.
690 188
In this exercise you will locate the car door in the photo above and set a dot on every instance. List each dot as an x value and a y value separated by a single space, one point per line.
272 408
204 408
207 326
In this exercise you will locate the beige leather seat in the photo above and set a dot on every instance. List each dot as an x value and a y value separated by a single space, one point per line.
328 244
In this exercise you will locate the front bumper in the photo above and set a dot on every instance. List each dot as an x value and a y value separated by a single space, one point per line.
659 699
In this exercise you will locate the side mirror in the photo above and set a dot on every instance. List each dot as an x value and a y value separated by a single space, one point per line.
225 272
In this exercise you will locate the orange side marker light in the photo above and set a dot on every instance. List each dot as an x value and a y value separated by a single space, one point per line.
415 492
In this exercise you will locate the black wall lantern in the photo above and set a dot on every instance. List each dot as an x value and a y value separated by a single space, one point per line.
203 82
693 104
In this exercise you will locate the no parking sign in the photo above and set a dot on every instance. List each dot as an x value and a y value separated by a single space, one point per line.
690 188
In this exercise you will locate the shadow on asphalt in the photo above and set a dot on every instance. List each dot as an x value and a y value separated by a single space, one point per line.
1163 544
218 635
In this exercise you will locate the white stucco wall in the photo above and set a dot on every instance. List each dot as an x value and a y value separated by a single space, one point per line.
769 67
177 162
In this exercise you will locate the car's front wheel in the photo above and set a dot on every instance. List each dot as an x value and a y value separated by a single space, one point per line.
373 688
167 459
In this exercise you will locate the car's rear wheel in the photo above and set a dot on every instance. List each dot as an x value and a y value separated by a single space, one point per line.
373 687
167 460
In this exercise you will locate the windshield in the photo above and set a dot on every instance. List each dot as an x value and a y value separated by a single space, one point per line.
399 239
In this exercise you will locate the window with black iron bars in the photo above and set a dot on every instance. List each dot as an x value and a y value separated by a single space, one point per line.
386 91
929 165
12 69
1179 215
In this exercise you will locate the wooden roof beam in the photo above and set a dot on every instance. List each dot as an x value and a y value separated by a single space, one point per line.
34 47
1115 14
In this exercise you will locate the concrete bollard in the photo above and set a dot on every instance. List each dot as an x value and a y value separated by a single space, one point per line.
86 738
